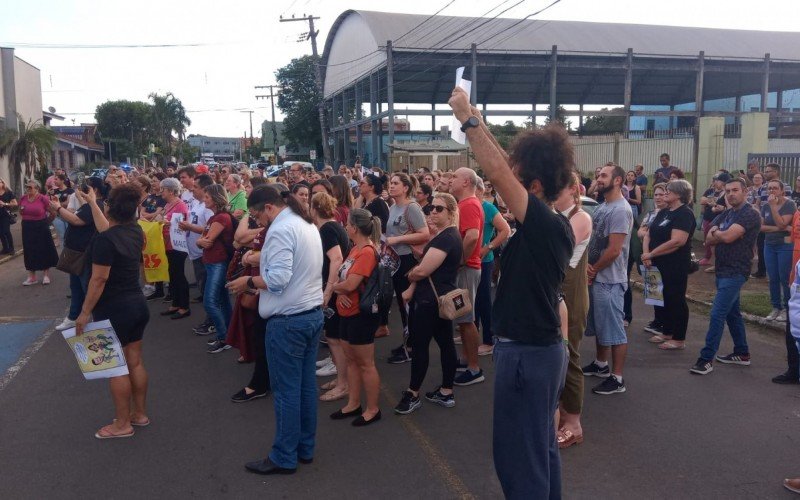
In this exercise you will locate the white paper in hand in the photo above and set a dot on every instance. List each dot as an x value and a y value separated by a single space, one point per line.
455 130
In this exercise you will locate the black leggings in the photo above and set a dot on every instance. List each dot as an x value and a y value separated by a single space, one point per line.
178 285
259 382
676 310
401 283
5 234
425 324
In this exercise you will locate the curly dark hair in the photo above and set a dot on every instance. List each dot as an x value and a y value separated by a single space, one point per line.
545 155
123 201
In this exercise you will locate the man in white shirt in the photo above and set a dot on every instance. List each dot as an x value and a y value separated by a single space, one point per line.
290 287
198 217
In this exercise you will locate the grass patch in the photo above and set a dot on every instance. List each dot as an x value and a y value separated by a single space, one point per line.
755 303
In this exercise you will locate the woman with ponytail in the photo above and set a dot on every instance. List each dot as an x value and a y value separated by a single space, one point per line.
356 328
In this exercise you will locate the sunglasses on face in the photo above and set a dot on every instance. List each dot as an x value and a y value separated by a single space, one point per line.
438 208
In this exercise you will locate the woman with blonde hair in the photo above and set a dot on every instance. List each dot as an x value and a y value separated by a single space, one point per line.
435 275
335 245
356 327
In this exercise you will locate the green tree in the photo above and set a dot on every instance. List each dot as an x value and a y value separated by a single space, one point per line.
186 153
601 125
167 116
30 146
505 133
127 123
298 98
561 117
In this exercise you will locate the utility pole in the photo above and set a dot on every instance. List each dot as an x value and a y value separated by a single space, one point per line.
274 127
312 34
251 122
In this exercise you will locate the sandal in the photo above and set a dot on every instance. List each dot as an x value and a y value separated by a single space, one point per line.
329 385
657 339
334 395
671 345
566 438
107 433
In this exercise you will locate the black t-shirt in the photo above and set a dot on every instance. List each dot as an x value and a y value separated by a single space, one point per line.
152 203
660 231
63 194
533 266
332 234
6 198
379 208
121 248
708 214
736 258
78 237
444 277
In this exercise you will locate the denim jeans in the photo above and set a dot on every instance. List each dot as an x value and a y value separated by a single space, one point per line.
78 285
292 354
216 300
483 302
726 309
60 226
778 259
527 384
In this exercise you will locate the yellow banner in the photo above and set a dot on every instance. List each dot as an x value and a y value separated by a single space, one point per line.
154 254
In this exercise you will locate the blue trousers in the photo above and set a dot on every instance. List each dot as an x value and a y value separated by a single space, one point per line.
778 259
527 385
726 310
483 302
216 300
291 355
78 285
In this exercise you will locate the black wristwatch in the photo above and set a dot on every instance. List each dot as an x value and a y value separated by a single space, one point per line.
472 121
250 283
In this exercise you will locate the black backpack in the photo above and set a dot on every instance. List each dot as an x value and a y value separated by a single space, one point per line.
378 291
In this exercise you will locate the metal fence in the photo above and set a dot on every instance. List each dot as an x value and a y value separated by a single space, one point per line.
636 148
789 162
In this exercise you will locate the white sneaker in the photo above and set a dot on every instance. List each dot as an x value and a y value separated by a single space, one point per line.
327 370
324 362
781 317
773 315
29 282
67 323
148 290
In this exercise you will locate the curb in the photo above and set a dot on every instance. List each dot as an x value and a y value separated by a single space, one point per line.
6 258
750 318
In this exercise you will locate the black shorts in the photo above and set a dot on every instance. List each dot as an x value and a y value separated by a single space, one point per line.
331 325
128 314
358 329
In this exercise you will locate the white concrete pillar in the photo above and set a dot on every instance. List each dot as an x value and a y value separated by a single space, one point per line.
755 136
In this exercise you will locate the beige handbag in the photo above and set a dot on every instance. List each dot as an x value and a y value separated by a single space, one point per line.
453 304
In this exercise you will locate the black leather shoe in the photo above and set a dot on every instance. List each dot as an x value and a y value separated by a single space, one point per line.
265 467
305 461
243 397
178 315
360 422
339 415
168 312
785 378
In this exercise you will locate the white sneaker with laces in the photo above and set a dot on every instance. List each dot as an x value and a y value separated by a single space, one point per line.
64 325
324 362
772 315
781 317
327 370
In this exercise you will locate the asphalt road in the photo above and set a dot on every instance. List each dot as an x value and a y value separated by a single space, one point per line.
730 434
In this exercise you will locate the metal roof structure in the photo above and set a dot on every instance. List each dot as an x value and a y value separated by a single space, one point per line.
386 58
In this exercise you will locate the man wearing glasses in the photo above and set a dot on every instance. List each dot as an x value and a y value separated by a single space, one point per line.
296 174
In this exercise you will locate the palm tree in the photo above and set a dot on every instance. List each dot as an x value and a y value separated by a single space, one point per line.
168 115
31 145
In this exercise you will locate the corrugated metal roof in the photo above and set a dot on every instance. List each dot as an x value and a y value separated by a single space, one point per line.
458 33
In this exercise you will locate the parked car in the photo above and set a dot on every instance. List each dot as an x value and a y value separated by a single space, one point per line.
589 205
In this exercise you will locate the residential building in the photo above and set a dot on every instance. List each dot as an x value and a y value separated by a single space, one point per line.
76 145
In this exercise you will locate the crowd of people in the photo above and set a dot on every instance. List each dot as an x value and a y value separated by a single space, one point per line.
283 264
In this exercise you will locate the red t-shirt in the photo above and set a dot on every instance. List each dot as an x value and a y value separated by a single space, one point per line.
470 216
359 261
219 250
178 208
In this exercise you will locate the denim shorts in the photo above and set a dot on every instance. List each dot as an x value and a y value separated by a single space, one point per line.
606 313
